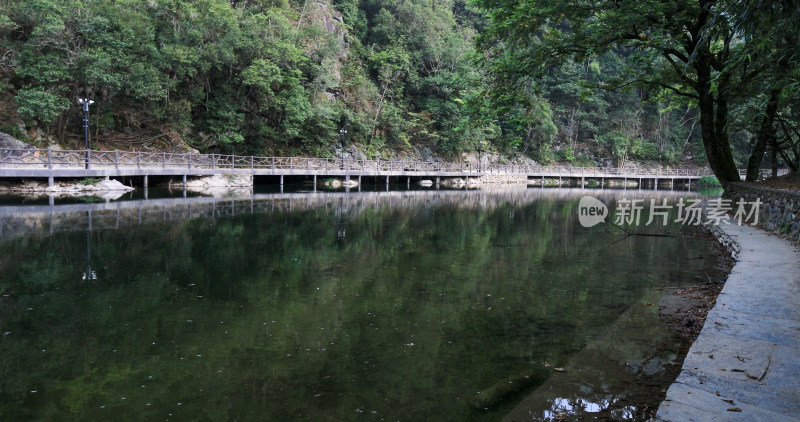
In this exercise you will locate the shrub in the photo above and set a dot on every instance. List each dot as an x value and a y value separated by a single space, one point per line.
89 180
708 182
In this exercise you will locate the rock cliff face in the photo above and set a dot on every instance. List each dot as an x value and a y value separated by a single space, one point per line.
9 142
329 22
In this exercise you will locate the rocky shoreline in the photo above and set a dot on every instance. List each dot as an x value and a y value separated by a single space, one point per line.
82 187
684 309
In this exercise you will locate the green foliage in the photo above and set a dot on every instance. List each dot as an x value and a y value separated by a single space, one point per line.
690 49
41 105
280 77
708 182
89 180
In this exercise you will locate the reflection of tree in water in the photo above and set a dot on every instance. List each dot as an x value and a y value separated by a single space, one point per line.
47 219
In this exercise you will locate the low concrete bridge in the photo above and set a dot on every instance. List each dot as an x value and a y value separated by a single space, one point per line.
53 164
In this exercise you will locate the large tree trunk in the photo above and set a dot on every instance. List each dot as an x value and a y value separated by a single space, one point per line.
775 156
714 121
765 136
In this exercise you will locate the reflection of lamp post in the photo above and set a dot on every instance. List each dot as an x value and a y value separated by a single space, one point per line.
85 102
89 274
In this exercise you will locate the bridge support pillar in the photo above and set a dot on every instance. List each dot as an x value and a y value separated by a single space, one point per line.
184 181
387 182
408 181
144 182
437 182
583 182
655 184
688 184
281 181
50 181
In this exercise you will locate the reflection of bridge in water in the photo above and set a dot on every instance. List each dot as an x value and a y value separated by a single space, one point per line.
22 220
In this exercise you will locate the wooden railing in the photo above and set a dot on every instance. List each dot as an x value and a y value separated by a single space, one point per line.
75 159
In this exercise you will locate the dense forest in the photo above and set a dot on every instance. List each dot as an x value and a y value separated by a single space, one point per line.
582 82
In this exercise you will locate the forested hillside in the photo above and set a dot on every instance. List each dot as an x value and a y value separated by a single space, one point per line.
402 78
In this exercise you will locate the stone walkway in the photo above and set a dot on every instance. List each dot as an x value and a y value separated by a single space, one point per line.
745 365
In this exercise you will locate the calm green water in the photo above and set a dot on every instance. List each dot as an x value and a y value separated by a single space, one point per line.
397 306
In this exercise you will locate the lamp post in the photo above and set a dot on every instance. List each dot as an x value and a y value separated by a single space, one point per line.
85 102
480 161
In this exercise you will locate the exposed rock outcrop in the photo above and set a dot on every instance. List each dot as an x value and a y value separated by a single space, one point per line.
80 188
9 142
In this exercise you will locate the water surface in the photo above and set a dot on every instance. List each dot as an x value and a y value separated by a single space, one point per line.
373 306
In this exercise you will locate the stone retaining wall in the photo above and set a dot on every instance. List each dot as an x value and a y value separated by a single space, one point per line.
780 209
729 243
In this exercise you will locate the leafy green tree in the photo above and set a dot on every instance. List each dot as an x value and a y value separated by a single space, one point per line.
668 45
